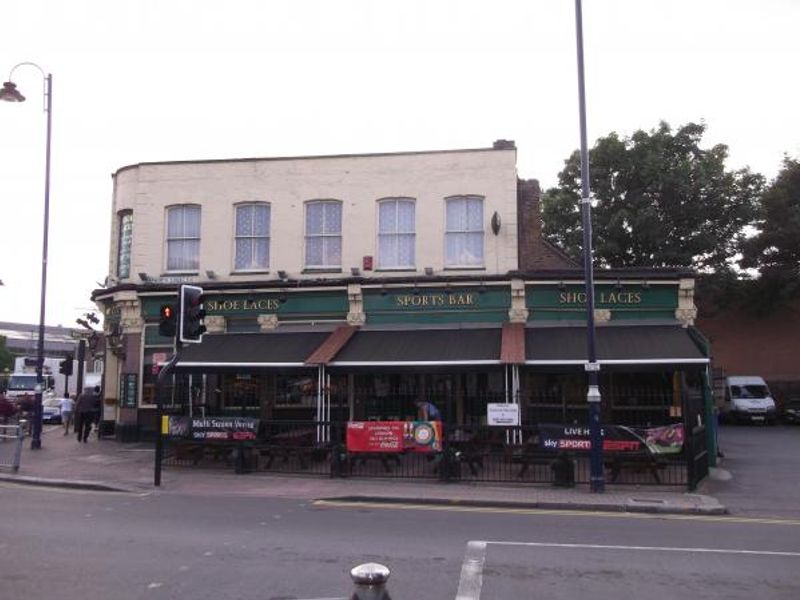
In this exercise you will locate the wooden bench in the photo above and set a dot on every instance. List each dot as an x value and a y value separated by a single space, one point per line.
529 455
635 461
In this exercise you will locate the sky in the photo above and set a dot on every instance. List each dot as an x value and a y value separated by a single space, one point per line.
160 80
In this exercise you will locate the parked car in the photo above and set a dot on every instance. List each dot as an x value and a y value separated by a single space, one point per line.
792 410
51 410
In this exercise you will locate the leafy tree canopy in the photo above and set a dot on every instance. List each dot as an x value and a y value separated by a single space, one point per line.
775 249
6 358
661 201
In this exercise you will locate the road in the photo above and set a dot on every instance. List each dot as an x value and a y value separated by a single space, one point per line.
761 470
79 545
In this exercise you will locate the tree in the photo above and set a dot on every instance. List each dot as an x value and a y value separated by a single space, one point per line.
661 201
6 358
775 249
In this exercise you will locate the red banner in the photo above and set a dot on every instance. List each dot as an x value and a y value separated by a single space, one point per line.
375 436
394 436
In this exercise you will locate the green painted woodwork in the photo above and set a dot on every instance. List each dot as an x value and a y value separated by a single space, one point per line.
438 305
291 305
553 302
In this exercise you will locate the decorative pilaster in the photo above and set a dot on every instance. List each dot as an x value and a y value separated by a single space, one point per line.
602 315
355 315
518 313
686 312
215 324
268 322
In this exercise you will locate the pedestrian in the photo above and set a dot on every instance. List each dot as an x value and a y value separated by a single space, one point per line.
84 413
427 411
67 408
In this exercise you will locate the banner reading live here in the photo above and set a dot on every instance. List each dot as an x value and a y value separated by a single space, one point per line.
616 438
394 436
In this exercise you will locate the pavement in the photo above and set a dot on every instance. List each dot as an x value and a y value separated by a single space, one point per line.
107 465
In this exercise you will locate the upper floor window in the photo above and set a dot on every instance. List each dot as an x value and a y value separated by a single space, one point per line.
464 231
124 243
324 234
252 237
183 238
396 233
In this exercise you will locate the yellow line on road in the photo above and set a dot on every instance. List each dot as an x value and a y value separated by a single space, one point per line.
555 512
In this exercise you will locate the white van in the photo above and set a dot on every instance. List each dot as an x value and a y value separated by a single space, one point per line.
748 399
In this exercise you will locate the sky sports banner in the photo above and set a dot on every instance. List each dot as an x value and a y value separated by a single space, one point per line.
616 438
213 428
394 436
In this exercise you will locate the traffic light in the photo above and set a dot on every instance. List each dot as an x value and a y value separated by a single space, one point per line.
65 367
191 315
169 321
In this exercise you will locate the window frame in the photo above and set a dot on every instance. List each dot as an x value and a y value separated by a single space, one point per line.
465 232
167 239
237 237
324 267
396 200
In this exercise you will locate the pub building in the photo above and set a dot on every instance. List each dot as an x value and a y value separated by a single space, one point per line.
344 292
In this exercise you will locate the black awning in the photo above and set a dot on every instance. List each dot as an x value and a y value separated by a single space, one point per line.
251 350
621 345
421 347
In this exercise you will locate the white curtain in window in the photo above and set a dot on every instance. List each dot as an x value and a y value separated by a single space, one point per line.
396 234
183 238
252 237
464 235
324 234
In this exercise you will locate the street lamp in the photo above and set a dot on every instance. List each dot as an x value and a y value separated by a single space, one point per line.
596 479
9 93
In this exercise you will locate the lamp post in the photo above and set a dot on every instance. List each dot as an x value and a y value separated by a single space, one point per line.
9 93
597 479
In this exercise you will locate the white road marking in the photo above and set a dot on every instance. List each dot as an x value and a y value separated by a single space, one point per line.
650 548
471 582
469 586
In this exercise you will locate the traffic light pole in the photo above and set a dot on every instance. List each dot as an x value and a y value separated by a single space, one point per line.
165 372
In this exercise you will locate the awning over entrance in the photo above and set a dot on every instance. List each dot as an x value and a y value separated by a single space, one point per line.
421 347
616 345
252 350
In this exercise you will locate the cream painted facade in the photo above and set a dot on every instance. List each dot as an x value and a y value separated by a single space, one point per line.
287 184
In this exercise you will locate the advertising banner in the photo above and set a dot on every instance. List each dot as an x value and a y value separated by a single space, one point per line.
213 428
394 436
616 438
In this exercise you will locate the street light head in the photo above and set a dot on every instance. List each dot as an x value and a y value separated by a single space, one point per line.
9 93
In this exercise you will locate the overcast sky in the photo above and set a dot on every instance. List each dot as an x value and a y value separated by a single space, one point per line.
156 80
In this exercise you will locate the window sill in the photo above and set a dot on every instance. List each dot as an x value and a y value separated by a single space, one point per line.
397 270
180 274
322 270
465 268
244 273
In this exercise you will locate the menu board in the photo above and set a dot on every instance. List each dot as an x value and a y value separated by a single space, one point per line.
128 390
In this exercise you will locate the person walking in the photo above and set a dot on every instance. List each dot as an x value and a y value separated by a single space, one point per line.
67 408
84 413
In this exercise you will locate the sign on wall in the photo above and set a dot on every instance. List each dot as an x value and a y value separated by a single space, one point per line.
502 414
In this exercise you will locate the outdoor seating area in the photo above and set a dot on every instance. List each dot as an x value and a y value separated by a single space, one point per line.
480 454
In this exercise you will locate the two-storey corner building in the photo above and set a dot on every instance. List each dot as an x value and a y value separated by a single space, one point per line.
351 290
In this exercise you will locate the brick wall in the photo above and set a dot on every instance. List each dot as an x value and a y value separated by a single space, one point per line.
534 252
